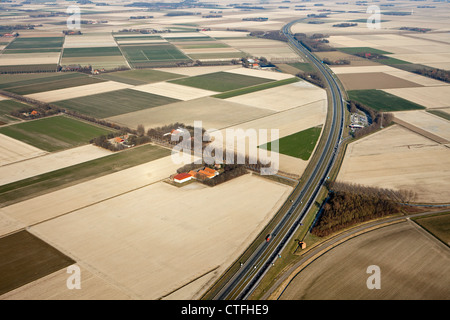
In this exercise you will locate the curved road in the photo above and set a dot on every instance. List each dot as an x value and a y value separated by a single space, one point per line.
245 280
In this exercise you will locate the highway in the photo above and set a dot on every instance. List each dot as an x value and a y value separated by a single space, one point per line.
248 276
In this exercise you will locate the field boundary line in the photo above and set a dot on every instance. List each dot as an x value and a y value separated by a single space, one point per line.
189 282
420 131
92 204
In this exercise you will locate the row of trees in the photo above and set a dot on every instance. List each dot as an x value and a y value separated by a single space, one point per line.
315 42
438 74
312 77
349 204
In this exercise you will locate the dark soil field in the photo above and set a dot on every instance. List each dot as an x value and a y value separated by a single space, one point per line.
25 258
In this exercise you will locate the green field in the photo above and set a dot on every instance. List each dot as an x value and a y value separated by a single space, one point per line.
25 258
60 81
29 68
137 77
38 50
298 145
55 180
303 66
221 81
353 50
6 107
113 103
154 52
91 52
256 88
437 225
35 43
382 101
54 133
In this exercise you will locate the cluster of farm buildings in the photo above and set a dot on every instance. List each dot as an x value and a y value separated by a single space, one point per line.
200 174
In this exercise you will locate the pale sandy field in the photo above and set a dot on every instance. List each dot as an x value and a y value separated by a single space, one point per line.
167 245
88 40
49 162
225 34
284 97
362 69
426 121
398 158
54 287
99 62
408 272
175 91
196 71
128 41
52 205
214 113
80 91
12 150
28 59
430 97
208 50
273 75
285 123
374 80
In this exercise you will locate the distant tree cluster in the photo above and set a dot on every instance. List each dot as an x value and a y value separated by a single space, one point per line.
438 74
315 42
335 62
349 204
272 35
345 25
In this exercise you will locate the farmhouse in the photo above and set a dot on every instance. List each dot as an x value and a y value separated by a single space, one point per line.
182 177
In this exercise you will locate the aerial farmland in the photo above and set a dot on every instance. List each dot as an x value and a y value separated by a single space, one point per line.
96 99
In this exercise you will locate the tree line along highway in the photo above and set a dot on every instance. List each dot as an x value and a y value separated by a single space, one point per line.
245 279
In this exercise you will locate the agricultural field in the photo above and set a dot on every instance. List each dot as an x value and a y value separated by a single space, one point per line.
438 225
55 82
427 122
141 76
430 97
298 145
26 258
142 55
398 158
114 103
38 165
113 213
6 107
44 183
54 133
13 150
401 265
374 80
214 113
220 81
383 101
204 242
79 91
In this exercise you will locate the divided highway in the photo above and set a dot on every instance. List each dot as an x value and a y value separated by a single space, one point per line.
246 279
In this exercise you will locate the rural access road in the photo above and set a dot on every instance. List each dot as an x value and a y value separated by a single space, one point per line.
244 281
